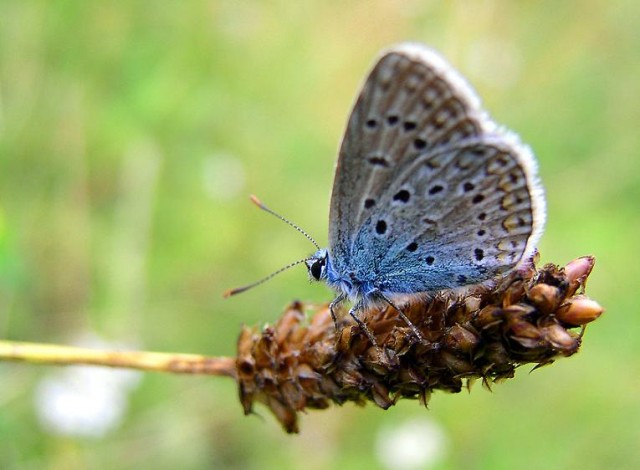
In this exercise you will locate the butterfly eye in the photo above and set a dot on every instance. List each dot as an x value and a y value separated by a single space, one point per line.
316 269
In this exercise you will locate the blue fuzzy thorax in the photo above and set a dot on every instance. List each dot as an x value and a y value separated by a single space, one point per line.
351 285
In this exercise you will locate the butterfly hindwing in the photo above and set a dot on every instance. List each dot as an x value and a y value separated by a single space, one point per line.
455 216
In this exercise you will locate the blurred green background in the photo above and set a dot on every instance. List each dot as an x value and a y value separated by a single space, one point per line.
132 132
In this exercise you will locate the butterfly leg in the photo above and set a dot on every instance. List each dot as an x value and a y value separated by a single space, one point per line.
358 306
334 303
413 327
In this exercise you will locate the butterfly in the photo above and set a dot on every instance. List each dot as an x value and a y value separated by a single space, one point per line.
429 193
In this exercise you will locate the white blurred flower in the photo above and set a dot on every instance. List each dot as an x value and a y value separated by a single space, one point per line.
223 176
415 444
84 401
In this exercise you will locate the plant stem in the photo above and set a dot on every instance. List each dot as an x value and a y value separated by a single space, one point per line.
141 360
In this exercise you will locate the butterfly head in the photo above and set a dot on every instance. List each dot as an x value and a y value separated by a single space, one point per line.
317 265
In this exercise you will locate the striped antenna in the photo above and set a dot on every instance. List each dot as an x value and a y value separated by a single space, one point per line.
239 290
259 203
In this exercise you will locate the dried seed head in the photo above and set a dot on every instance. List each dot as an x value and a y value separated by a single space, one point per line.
580 310
461 339
560 338
545 297
484 333
577 272
490 316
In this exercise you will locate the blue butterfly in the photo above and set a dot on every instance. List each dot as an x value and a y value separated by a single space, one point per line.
429 193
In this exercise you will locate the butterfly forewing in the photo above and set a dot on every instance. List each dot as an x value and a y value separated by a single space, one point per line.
410 103
429 192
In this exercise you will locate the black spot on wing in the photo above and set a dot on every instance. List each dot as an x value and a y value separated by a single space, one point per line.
409 126
379 161
435 189
392 120
402 196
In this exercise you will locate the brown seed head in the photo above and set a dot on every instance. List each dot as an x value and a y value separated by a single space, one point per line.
577 272
485 333
579 310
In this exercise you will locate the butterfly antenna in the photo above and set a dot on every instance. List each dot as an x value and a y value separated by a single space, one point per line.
259 203
239 290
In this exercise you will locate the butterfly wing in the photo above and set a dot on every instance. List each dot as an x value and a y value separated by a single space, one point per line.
456 216
399 210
